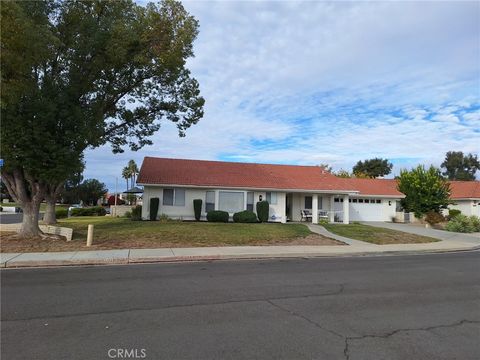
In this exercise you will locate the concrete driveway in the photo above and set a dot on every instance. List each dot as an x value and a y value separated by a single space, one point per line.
473 238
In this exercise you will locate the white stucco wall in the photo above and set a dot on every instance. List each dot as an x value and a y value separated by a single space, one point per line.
467 207
186 212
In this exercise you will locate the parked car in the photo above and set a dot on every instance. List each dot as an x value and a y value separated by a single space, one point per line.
74 206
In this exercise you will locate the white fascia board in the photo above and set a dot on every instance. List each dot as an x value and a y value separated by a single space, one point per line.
381 196
319 191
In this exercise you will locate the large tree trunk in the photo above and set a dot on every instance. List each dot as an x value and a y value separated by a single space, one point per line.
29 226
51 195
50 217
28 193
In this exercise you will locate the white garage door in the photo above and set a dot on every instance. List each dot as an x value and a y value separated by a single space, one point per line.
364 209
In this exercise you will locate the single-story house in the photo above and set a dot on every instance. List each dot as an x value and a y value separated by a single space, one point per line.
294 192
466 197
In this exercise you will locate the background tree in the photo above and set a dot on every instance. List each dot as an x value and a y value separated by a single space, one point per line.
133 170
343 174
79 74
70 194
373 168
458 166
326 167
91 190
56 186
425 190
126 174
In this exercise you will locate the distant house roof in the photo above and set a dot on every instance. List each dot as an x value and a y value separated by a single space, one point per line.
465 189
377 187
239 175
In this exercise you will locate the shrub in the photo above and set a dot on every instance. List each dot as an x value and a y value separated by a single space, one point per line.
137 213
323 222
217 216
262 211
246 216
197 207
434 217
154 203
61 213
474 223
453 212
163 218
90 211
128 215
463 224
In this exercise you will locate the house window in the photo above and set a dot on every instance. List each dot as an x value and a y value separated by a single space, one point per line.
320 203
354 200
366 201
308 202
231 201
168 197
378 201
360 200
209 201
337 200
272 198
174 197
250 200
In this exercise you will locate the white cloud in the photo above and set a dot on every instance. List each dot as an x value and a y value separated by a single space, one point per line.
313 82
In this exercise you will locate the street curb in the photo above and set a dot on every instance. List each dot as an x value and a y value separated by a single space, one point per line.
177 259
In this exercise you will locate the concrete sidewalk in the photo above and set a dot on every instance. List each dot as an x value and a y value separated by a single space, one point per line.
127 256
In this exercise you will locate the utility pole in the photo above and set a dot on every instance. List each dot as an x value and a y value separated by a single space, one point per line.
116 185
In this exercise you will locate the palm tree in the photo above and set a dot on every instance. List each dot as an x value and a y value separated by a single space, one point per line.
133 169
126 174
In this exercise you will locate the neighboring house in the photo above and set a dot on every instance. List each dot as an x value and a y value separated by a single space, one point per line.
466 197
289 189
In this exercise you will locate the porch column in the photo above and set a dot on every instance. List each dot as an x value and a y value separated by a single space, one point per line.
217 197
331 214
346 209
315 209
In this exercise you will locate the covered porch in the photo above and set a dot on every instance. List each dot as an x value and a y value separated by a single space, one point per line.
313 207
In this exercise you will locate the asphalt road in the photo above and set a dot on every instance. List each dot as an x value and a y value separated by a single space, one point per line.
409 307
13 218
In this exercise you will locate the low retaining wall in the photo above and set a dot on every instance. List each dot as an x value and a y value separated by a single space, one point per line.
120 210
47 229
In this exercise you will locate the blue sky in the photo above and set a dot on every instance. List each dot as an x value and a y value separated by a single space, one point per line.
326 82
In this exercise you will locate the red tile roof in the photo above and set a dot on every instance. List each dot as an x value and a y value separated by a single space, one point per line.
465 189
378 187
268 176
238 175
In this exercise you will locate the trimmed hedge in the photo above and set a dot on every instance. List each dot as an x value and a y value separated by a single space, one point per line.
61 213
136 213
197 208
217 216
154 204
453 212
262 211
89 211
246 216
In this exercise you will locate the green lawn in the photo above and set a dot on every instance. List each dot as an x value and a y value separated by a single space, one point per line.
42 205
176 232
117 233
375 235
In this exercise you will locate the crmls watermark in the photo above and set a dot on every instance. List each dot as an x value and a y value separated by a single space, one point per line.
127 353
